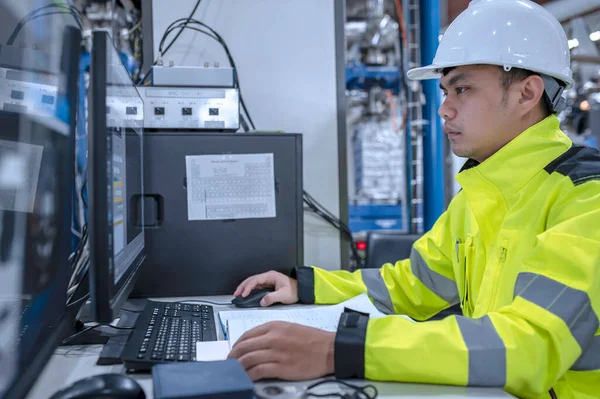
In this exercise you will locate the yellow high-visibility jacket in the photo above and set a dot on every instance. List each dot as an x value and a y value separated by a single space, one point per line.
519 249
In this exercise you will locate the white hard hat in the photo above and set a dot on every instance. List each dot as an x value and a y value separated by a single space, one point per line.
508 33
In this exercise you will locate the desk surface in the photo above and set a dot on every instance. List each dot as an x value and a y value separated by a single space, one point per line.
71 363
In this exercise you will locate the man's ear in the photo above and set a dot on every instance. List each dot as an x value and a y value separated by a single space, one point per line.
532 90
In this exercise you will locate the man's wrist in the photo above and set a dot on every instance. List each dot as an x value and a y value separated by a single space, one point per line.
330 350
294 284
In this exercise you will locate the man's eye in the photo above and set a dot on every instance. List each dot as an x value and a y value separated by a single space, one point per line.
445 93
460 90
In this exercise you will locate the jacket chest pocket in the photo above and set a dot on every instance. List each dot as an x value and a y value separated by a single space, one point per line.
495 275
464 258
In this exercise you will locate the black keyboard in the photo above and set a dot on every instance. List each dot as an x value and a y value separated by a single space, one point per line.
168 332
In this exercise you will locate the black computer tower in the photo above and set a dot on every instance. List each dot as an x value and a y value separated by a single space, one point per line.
211 257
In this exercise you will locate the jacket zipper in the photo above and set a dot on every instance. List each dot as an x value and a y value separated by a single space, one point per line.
465 299
503 251
456 249
456 246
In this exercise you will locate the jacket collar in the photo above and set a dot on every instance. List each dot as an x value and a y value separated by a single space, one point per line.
511 167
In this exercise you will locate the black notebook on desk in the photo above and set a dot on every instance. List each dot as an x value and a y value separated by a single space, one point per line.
224 379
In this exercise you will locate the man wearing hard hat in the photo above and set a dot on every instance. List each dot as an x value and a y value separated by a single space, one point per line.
518 247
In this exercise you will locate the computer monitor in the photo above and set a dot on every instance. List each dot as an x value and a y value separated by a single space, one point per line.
115 180
38 98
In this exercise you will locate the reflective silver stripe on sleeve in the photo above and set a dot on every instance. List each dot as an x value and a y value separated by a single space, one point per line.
571 305
377 290
590 358
440 285
487 353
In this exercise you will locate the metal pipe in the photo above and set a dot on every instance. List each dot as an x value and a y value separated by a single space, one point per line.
433 147
377 8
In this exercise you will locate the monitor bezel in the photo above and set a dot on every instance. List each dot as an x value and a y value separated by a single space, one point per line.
56 332
106 297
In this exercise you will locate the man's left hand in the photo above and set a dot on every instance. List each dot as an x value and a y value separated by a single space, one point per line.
286 351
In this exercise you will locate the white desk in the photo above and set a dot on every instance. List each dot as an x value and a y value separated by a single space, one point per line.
69 364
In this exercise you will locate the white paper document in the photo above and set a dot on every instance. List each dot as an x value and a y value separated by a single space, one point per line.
19 174
211 351
323 317
230 186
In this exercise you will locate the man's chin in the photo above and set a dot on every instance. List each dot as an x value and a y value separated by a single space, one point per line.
461 153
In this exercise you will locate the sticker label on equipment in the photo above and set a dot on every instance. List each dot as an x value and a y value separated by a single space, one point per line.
230 186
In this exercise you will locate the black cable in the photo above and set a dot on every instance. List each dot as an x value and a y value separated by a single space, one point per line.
80 246
318 208
59 9
181 30
209 302
316 203
141 82
216 36
131 310
183 23
78 301
185 26
235 71
358 392
82 193
72 337
243 123
21 24
326 215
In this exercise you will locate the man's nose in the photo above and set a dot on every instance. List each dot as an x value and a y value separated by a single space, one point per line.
447 111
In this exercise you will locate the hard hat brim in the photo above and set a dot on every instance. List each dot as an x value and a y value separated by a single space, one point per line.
424 73
434 72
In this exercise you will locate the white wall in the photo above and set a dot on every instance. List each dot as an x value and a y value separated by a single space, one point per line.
285 54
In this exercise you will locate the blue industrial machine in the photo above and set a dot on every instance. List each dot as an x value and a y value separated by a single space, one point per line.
423 200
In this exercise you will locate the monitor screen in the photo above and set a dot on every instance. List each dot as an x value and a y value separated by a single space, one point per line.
38 97
115 179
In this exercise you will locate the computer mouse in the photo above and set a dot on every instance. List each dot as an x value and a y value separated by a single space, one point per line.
253 298
104 386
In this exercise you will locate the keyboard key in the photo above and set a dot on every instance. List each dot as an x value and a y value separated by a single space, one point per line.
183 358
187 308
170 357
156 356
141 356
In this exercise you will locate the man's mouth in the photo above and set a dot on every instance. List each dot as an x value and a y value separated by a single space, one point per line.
452 133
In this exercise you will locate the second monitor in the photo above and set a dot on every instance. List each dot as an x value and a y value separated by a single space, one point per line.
115 170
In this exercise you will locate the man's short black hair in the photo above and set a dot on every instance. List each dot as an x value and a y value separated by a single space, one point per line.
515 75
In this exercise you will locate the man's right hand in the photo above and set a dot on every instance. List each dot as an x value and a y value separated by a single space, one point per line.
286 288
